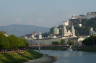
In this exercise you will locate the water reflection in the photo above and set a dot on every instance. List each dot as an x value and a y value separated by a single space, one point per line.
72 56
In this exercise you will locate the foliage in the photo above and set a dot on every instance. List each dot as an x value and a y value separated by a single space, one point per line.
86 25
55 43
70 42
90 41
62 41
12 42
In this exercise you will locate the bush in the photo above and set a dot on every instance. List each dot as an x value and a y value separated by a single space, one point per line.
90 41
70 42
55 43
62 42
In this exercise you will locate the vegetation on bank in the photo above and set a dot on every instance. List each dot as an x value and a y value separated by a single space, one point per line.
15 49
18 57
61 42
58 45
11 42
87 49
90 41
89 44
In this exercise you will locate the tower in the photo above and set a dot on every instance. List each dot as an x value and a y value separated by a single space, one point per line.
73 31
64 30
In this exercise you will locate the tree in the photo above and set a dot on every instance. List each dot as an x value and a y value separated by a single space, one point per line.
12 42
55 43
17 42
62 42
22 43
90 41
71 42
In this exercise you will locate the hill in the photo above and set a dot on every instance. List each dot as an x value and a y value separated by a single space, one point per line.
86 25
20 30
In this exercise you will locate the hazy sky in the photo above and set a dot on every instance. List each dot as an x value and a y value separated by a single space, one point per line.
42 12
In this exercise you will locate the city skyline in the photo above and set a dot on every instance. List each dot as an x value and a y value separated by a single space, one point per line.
45 13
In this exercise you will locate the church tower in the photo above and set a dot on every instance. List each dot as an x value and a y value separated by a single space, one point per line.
73 31
64 30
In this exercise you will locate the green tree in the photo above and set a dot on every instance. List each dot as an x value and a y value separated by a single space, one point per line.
70 42
55 43
62 42
12 42
90 41
22 43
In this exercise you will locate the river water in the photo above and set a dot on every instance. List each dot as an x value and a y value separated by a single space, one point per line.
70 56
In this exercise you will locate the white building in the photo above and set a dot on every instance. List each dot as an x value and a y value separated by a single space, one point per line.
92 32
91 15
65 32
68 33
66 23
73 31
79 17
56 31
40 36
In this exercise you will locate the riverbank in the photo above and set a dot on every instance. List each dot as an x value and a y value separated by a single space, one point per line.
43 59
18 57
87 49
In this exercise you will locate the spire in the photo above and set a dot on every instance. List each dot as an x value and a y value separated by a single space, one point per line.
64 31
73 31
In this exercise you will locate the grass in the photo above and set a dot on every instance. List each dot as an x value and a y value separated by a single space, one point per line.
19 57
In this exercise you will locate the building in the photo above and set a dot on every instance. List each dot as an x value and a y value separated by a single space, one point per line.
55 31
40 36
34 36
68 33
73 31
65 32
91 31
66 23
79 17
91 15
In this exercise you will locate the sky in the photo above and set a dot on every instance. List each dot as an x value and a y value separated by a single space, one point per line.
46 13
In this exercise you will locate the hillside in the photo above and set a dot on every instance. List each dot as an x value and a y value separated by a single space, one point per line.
86 25
20 30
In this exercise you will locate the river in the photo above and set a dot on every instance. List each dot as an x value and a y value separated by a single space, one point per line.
70 56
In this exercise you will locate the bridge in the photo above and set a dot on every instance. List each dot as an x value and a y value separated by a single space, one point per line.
48 46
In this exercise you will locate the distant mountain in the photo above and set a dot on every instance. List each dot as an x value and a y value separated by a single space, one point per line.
20 30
